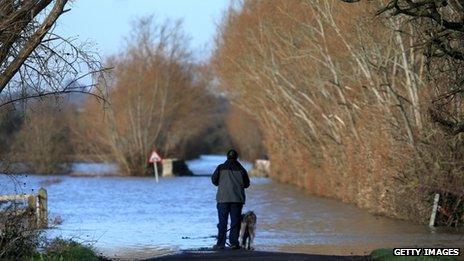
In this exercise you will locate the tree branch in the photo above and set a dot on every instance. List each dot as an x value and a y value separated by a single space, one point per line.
32 43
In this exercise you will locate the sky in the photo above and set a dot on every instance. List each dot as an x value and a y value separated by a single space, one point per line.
107 23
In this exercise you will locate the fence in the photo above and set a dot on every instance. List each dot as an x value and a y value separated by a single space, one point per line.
36 205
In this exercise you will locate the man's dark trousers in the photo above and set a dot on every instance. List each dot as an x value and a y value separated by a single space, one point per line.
235 211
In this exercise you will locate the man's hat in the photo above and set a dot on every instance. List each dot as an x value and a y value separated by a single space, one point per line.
232 154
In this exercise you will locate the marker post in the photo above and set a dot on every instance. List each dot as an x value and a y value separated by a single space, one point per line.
155 167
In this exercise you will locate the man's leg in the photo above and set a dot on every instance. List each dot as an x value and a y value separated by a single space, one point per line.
223 214
235 221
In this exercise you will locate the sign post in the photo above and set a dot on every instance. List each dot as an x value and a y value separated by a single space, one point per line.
155 158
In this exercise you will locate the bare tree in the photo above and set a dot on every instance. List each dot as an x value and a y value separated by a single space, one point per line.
34 61
42 144
158 99
339 88
441 30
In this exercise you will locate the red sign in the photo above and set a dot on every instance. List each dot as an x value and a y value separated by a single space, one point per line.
154 157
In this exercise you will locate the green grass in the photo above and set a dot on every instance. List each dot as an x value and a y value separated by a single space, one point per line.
386 254
60 249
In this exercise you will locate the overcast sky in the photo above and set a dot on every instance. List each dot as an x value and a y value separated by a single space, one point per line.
107 22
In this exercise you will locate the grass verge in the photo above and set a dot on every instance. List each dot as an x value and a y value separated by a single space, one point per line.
60 249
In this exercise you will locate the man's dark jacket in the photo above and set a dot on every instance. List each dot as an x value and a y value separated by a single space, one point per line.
232 180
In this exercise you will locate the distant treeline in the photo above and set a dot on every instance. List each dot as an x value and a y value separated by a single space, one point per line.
156 97
360 102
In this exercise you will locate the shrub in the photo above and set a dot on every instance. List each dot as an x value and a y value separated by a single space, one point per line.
61 249
20 240
17 238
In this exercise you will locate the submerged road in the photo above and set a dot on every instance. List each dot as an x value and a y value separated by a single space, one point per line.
138 218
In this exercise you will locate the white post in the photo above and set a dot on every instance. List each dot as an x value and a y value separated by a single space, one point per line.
434 210
156 171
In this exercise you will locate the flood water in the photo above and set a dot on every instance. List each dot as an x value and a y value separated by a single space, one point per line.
136 217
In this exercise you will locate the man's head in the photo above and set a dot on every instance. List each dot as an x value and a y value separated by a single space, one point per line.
232 155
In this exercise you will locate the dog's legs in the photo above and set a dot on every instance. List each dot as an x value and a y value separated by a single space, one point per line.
242 235
250 236
251 239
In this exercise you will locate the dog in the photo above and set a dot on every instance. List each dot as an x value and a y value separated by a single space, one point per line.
247 230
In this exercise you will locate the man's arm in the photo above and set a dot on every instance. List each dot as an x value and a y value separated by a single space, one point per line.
215 177
246 179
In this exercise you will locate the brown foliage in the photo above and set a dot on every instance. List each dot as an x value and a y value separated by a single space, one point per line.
42 144
158 99
341 97
245 134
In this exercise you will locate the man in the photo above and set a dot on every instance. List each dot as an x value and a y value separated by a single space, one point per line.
231 179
